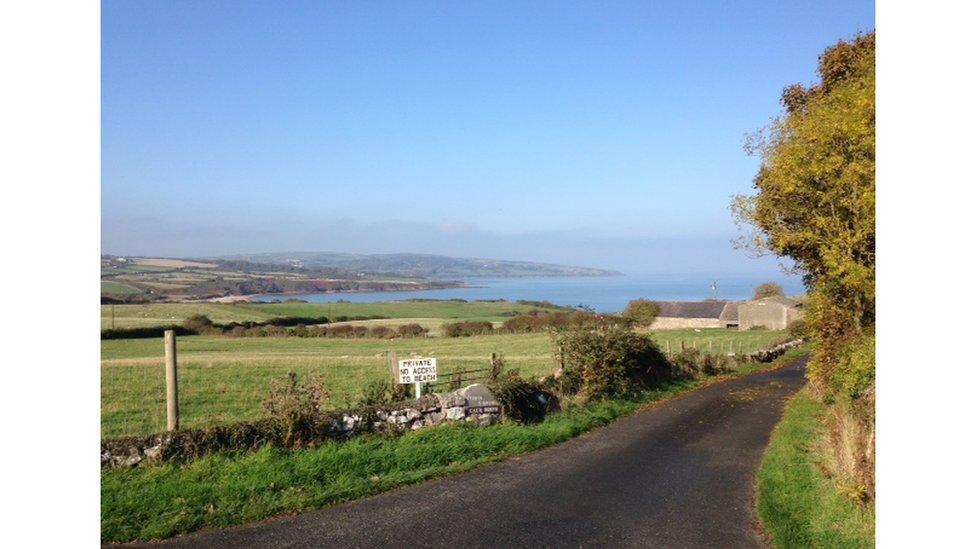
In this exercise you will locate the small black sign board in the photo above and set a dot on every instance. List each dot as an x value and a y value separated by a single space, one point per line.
484 410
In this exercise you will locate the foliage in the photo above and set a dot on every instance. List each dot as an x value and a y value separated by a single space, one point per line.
798 329
296 405
522 400
767 289
378 392
609 361
642 312
466 328
816 205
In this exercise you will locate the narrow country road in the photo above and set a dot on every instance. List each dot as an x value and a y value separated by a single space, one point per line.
680 474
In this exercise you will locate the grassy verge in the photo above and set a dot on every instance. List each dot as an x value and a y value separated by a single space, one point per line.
159 501
798 506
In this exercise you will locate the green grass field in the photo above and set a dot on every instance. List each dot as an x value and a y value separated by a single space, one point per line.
798 506
117 289
225 379
433 312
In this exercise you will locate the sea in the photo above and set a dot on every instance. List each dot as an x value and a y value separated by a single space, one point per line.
603 294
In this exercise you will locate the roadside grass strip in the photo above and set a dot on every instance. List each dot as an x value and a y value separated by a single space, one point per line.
798 506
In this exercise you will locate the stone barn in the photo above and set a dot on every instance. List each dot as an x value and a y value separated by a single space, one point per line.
774 313
696 314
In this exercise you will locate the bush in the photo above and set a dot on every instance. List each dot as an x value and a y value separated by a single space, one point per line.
296 405
467 328
522 400
198 323
382 332
689 363
380 392
798 329
642 311
411 330
609 362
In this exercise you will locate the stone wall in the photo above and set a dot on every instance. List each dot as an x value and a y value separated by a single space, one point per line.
473 404
671 323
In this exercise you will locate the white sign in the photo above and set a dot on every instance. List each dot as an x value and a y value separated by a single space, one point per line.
418 370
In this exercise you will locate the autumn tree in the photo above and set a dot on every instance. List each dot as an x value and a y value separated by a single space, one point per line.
767 289
642 311
815 203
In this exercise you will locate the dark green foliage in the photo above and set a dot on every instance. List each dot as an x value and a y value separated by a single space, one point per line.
522 400
642 312
610 361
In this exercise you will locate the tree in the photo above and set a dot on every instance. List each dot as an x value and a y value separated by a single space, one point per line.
767 289
642 311
815 203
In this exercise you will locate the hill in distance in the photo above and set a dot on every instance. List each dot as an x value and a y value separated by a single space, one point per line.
420 265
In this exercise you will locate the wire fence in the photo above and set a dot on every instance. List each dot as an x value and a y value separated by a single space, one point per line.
223 380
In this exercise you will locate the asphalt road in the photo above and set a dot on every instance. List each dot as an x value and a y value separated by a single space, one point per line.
680 474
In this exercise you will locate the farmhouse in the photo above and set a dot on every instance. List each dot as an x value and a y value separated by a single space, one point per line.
774 313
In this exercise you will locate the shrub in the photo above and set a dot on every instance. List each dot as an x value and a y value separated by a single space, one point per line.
198 323
642 311
798 329
522 400
466 328
382 332
296 406
379 392
610 361
411 330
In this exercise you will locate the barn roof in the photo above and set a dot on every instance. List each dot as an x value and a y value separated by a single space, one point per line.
693 309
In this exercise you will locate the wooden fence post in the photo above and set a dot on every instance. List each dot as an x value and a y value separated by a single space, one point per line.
394 367
172 384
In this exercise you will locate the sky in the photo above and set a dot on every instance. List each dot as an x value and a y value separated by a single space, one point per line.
604 134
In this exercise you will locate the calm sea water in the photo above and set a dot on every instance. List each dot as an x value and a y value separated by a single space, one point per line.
604 294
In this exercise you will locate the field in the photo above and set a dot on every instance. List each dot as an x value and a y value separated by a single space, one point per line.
225 379
432 313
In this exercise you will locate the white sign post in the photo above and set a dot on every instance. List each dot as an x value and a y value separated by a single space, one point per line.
418 371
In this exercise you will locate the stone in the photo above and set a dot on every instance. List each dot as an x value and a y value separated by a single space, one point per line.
456 413
413 414
435 418
479 400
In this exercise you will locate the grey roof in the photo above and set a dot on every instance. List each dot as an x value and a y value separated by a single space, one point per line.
730 313
782 300
693 309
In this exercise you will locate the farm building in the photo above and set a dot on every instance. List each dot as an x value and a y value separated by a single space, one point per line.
775 313
696 314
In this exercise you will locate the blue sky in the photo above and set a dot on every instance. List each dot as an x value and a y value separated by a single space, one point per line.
599 133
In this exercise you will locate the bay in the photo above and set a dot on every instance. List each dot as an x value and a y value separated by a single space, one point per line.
603 294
